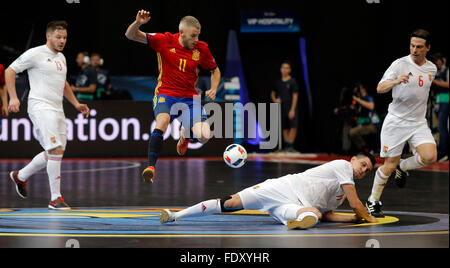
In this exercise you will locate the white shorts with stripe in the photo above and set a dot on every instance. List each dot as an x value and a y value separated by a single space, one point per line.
274 196
396 132
51 128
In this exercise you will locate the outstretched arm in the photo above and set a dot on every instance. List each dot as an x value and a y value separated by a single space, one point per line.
330 216
356 204
133 33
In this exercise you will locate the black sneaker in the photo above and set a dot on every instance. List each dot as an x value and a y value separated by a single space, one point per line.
400 177
21 187
59 204
374 209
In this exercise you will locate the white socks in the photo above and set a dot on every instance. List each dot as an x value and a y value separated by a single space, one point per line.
54 175
202 209
53 164
38 163
379 183
414 162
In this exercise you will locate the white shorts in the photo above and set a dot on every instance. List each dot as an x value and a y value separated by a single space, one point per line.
396 132
274 196
51 128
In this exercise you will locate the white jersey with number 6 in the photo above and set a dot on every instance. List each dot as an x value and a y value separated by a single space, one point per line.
47 73
410 99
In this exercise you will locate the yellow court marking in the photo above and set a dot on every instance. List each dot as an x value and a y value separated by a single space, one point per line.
107 214
385 220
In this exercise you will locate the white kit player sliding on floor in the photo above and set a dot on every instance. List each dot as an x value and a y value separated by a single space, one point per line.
47 70
410 79
299 200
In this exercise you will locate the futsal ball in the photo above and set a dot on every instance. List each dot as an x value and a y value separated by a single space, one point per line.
235 156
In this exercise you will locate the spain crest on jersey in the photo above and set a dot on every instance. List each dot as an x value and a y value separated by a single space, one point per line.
196 55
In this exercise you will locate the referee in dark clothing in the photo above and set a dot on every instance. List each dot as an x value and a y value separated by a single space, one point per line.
286 93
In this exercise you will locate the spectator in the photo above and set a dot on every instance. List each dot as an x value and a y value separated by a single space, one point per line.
345 112
440 86
367 120
3 95
286 93
86 82
103 79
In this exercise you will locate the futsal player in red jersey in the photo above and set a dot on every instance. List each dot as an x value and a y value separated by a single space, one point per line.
180 56
3 97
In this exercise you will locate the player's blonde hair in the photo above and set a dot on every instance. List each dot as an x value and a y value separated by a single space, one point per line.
189 21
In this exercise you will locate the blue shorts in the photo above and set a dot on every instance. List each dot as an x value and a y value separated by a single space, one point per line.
188 111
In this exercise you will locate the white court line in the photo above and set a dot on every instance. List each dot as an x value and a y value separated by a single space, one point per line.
131 166
321 162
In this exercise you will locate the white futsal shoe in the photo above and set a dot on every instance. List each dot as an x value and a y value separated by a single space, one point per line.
308 220
166 216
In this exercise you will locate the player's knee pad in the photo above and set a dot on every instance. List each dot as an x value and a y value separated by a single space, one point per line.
224 209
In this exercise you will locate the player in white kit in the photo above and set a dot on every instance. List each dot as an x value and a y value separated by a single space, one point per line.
410 79
47 71
297 200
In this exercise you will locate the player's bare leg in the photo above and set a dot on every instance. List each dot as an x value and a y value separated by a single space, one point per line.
155 145
428 153
202 131
426 156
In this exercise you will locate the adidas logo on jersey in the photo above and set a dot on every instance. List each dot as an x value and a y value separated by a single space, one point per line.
173 50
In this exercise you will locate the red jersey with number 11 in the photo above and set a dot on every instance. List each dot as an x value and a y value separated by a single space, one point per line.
178 66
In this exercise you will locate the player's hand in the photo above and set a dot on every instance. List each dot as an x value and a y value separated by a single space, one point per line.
143 17
278 101
14 105
83 108
291 115
211 94
372 219
403 79
5 111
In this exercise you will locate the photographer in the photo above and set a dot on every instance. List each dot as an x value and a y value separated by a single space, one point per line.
440 88
345 113
86 81
367 120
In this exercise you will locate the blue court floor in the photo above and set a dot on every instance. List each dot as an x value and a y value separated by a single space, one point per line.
113 208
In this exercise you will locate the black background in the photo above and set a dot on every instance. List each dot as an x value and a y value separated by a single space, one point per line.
347 41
